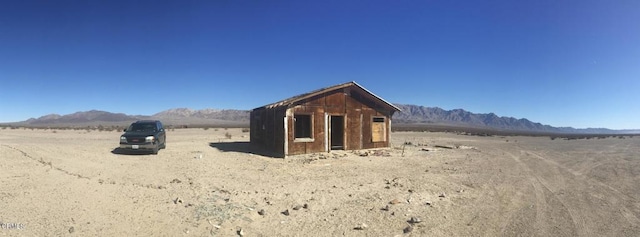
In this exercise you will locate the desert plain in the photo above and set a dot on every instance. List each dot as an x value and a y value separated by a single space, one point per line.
213 183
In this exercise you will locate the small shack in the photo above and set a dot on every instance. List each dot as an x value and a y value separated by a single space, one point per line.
340 117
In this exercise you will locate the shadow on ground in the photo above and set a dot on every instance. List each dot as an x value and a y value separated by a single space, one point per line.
243 147
120 151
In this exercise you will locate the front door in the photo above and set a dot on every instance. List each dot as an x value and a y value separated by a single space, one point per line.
337 132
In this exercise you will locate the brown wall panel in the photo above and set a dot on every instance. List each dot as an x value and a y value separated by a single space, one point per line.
335 99
353 130
352 103
357 112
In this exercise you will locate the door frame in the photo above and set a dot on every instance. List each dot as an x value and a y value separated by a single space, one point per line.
328 128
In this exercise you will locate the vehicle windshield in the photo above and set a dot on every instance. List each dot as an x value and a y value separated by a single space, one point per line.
142 127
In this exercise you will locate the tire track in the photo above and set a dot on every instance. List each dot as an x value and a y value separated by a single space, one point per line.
541 206
45 163
628 215
100 181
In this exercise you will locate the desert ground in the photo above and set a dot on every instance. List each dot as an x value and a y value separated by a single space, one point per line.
73 182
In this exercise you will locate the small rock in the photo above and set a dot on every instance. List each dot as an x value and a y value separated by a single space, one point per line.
385 208
241 232
261 212
428 203
442 195
414 220
177 200
305 206
71 230
297 207
407 229
361 226
395 201
177 181
285 212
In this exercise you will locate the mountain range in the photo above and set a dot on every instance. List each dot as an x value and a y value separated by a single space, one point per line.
410 115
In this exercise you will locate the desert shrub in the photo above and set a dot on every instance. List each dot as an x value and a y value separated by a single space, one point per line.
245 130
227 135
206 128
54 131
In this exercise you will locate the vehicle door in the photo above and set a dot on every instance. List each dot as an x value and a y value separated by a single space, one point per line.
161 133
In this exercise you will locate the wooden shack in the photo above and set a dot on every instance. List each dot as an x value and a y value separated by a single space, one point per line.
340 117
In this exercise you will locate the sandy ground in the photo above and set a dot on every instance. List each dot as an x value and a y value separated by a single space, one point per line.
72 183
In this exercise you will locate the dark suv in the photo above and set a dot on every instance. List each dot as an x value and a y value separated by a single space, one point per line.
146 135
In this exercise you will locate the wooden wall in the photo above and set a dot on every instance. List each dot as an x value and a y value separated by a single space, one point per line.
267 129
352 103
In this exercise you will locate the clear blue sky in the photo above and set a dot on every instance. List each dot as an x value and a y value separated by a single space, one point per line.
562 63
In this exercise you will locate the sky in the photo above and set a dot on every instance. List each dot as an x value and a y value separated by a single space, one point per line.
557 62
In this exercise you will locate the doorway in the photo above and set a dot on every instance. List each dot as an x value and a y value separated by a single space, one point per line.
337 132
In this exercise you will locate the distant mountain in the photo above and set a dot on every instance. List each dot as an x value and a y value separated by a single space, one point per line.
83 117
225 114
414 114
179 116
410 115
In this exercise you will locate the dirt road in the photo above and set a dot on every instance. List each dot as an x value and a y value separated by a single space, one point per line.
71 182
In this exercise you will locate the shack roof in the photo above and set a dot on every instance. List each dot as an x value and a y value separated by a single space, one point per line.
293 100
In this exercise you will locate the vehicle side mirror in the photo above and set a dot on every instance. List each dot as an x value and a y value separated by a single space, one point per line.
124 130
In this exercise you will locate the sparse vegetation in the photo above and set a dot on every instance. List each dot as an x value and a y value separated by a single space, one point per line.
227 135
245 129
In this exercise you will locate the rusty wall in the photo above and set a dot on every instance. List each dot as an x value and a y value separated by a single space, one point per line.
357 110
314 107
267 131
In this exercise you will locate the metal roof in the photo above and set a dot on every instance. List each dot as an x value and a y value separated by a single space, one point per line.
293 100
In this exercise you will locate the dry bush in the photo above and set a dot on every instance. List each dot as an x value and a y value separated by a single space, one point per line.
227 135
245 130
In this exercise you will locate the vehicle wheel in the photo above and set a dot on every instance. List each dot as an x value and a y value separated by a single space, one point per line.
155 149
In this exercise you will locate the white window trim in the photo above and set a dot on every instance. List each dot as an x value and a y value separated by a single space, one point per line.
304 139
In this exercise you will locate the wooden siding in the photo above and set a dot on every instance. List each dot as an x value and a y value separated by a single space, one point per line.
357 109
267 129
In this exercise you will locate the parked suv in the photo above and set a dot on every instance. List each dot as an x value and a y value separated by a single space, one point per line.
148 135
